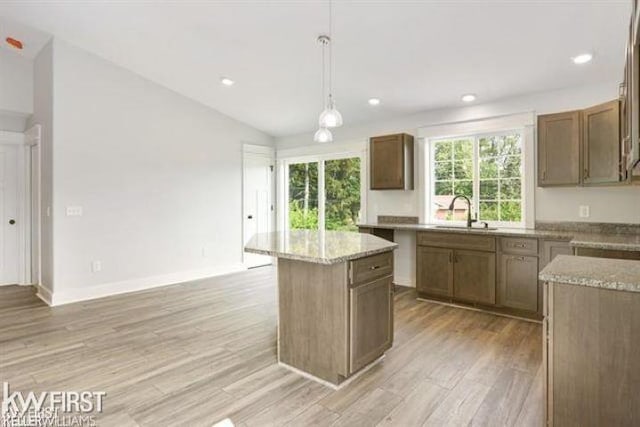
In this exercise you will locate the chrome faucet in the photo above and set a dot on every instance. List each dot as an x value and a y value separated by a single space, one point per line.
469 220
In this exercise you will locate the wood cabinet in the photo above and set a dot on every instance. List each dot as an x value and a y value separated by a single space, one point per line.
549 249
559 149
391 162
434 271
449 265
474 276
518 282
581 147
607 253
601 143
371 322
333 319
590 356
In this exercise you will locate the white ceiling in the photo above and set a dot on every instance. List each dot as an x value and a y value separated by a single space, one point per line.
414 55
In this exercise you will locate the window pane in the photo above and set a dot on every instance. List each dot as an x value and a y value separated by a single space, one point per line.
488 147
510 211
488 168
489 211
489 190
463 149
463 187
511 144
444 188
463 169
342 189
443 170
510 167
303 196
510 189
443 150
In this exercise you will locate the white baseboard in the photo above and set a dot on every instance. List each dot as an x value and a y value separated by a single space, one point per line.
66 296
404 281
44 294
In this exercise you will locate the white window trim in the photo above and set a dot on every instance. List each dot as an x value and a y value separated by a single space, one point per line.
491 125
305 155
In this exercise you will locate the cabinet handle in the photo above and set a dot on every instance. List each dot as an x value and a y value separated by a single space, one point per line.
374 267
450 257
586 173
520 245
518 258
544 175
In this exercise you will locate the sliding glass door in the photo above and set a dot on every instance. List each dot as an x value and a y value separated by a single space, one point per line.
324 193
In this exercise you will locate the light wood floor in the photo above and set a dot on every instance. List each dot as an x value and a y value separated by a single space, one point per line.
193 354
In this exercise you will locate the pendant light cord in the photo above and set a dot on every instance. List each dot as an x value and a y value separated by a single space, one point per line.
323 75
330 49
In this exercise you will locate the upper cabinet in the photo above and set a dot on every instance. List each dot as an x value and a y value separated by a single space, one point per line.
601 143
559 149
630 99
581 147
391 162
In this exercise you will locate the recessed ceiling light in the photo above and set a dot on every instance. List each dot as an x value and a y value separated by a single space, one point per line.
374 101
582 58
469 97
226 81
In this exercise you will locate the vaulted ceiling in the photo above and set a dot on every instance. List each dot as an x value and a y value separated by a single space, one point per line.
413 55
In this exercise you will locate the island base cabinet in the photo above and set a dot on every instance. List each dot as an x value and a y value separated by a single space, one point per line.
591 356
371 322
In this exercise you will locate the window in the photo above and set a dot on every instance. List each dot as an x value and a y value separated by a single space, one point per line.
487 169
324 193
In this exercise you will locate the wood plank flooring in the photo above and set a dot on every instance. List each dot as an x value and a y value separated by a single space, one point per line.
193 354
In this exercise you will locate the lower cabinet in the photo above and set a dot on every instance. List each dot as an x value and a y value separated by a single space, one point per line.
458 273
435 271
371 321
518 282
474 276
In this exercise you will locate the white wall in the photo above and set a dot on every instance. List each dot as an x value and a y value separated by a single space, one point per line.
158 176
608 204
16 90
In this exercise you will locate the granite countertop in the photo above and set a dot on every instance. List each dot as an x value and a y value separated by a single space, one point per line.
501 231
616 274
622 242
321 247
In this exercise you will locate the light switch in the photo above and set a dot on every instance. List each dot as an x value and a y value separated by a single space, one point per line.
74 210
96 266
584 211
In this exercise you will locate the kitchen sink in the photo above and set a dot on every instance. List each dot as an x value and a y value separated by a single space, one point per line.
462 227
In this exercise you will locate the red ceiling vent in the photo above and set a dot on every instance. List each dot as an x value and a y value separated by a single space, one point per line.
14 42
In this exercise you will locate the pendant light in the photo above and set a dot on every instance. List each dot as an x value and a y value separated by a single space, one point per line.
330 116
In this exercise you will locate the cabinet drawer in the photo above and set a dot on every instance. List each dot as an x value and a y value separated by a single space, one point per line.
518 246
457 241
370 268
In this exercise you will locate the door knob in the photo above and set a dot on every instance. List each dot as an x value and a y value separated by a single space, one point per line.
12 221
249 216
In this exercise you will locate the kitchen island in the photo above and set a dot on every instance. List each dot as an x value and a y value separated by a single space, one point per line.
335 300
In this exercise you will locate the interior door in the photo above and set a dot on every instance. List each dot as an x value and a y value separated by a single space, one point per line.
258 202
8 215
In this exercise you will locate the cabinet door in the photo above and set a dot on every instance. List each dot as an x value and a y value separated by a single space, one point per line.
601 143
435 271
518 282
549 249
474 276
371 322
559 149
391 162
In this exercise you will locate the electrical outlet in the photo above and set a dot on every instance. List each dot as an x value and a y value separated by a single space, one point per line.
74 210
96 266
584 211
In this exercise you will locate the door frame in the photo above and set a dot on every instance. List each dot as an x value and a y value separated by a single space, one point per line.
265 153
25 143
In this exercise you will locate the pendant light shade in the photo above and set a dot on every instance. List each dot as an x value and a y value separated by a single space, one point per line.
330 117
323 135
